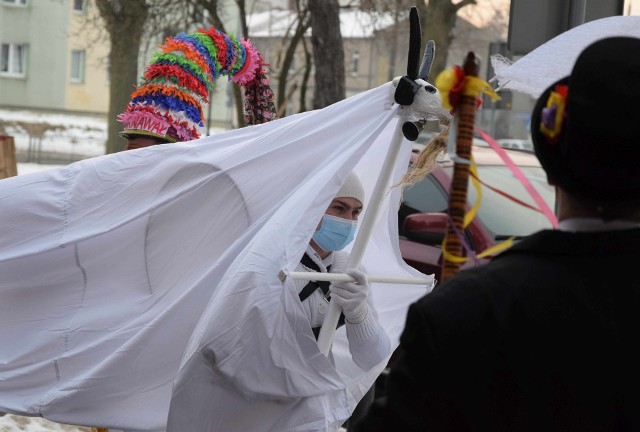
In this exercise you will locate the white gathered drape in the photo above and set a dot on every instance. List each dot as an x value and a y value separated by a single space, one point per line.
139 291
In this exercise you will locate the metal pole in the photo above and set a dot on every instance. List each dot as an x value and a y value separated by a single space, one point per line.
577 12
209 109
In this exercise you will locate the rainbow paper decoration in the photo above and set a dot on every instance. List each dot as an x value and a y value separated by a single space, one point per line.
169 100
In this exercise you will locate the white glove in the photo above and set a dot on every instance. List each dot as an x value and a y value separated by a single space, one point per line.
352 296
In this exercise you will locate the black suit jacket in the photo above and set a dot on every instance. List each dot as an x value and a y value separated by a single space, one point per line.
543 338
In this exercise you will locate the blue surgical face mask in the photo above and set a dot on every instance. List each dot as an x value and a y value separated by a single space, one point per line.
335 233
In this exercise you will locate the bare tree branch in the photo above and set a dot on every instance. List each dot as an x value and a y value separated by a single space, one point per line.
464 3
308 65
303 23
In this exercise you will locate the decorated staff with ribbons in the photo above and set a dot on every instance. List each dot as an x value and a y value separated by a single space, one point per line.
168 105
543 338
460 90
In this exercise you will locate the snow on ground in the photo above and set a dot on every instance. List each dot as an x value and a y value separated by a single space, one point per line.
60 133
14 423
26 168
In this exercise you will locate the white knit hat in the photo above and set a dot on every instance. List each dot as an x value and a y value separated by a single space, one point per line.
352 188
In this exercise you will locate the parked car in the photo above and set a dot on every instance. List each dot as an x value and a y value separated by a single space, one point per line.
422 218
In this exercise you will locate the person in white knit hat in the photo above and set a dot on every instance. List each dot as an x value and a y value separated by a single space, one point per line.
368 342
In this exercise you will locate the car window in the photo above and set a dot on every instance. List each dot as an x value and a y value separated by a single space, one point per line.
504 217
425 196
501 216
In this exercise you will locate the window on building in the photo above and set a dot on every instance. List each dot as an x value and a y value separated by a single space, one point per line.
355 59
15 2
77 66
13 59
78 6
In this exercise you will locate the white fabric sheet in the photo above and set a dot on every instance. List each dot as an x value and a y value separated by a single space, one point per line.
554 59
142 287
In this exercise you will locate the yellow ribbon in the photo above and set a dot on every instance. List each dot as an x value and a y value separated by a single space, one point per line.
476 185
444 82
473 86
493 250
468 217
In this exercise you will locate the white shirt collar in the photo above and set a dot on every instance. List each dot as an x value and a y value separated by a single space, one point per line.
594 224
315 257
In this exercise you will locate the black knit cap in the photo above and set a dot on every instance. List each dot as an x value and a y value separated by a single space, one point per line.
597 152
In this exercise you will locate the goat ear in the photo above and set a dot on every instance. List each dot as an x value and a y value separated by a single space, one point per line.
415 40
427 60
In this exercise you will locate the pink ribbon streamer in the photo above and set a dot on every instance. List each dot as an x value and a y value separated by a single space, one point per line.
542 205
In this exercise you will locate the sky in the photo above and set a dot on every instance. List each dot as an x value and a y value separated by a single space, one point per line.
26 168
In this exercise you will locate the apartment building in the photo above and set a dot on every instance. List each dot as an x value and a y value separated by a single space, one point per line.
52 57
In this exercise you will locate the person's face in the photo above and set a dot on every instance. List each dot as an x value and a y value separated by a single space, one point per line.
345 208
140 142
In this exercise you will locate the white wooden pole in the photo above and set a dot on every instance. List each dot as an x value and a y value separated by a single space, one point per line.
325 339
331 277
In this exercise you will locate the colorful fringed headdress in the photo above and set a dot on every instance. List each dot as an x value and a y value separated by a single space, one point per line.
169 101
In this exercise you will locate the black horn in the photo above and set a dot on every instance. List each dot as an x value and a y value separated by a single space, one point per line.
407 87
415 40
